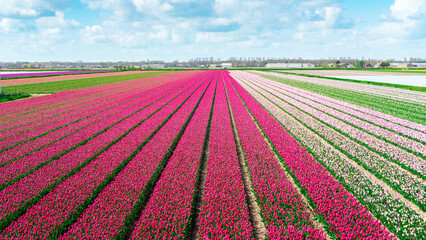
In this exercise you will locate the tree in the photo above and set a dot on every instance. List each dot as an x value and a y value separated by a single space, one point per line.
359 64
324 65
384 64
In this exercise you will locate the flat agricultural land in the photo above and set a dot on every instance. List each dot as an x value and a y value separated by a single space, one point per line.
23 81
342 73
64 84
215 155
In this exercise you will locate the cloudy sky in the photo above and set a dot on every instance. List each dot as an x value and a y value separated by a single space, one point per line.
134 30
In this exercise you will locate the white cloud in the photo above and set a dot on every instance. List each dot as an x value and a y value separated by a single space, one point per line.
30 8
93 34
407 20
56 21
8 25
152 6
403 9
213 37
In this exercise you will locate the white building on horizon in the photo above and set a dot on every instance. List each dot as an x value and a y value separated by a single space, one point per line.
289 65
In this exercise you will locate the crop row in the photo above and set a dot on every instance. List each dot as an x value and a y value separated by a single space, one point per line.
399 109
109 106
400 179
400 219
376 118
224 212
41 107
282 208
122 198
383 91
343 214
55 149
169 211
17 198
374 125
57 123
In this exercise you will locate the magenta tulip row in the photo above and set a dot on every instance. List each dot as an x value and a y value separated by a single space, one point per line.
106 216
393 212
224 212
37 108
282 208
46 107
343 213
59 205
88 117
351 125
54 112
64 118
55 123
75 135
398 178
167 214
22 192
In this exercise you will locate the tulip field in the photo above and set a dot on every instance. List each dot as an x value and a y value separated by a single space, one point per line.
213 155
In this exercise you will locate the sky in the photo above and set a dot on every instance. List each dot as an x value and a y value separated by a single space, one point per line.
135 30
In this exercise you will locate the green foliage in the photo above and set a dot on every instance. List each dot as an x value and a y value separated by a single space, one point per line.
360 64
5 97
324 65
384 64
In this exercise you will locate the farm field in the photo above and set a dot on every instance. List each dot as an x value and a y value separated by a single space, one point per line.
411 79
14 75
401 103
70 82
213 155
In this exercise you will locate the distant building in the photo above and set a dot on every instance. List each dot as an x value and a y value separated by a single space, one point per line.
399 65
156 65
420 65
226 65
289 65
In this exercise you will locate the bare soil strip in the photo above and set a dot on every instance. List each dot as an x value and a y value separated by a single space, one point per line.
259 228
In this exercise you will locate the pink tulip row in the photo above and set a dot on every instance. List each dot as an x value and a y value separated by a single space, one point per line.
106 216
358 114
58 99
64 200
373 113
74 135
224 212
400 179
168 210
394 213
53 112
87 117
356 119
64 118
40 108
58 122
54 105
25 190
398 155
343 213
382 92
282 208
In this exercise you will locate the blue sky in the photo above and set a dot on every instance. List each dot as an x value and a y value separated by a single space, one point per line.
134 30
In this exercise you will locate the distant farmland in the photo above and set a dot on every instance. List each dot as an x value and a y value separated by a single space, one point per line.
213 155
